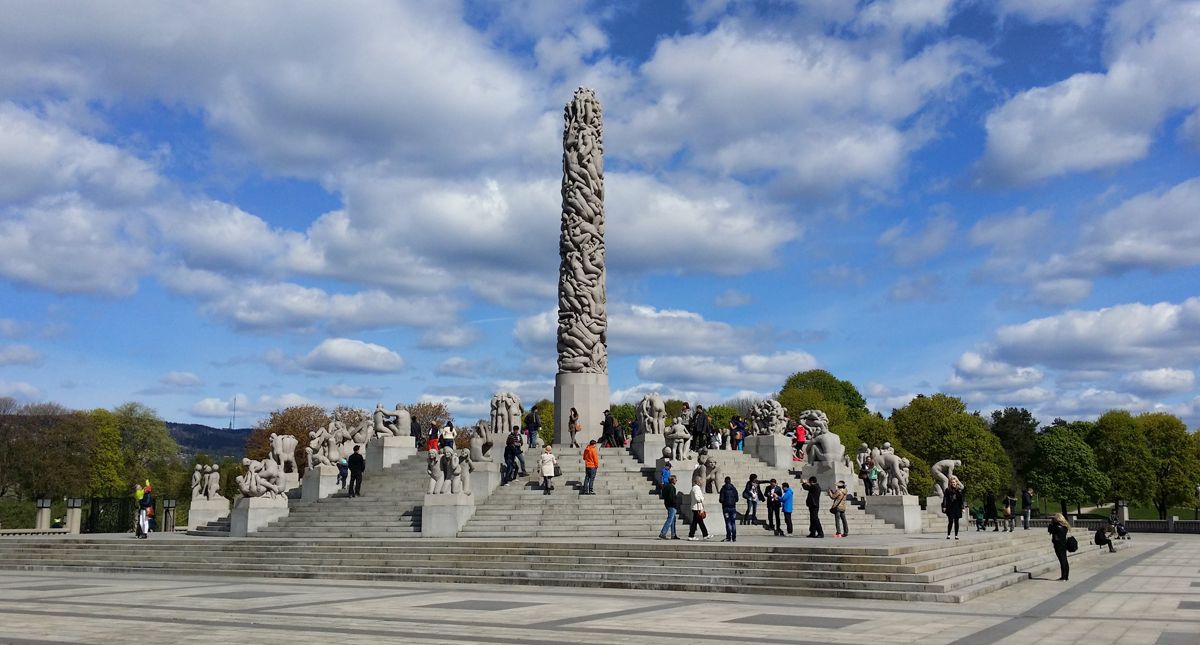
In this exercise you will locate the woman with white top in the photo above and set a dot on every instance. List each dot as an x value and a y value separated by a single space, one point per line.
698 513
547 461
446 436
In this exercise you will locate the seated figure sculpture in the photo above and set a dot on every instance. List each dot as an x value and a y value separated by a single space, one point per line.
712 475
480 447
822 445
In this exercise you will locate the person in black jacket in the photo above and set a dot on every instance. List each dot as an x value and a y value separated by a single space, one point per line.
989 511
671 500
533 425
952 505
729 498
608 430
813 502
1026 506
1058 530
753 494
357 465
774 505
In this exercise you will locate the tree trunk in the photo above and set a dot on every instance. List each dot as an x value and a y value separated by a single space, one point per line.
1063 504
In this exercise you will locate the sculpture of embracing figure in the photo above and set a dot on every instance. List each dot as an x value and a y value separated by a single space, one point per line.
652 413
822 445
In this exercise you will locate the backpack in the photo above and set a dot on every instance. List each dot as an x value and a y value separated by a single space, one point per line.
1072 544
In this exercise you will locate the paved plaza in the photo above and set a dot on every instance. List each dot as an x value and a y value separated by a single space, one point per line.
1148 593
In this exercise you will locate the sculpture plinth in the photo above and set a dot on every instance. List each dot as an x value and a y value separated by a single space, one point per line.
647 447
444 515
252 513
387 450
202 511
582 381
901 511
319 482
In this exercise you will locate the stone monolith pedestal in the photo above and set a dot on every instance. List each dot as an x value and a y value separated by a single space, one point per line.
933 503
775 449
74 520
291 480
386 450
319 482
252 513
588 393
484 479
901 511
444 515
828 474
203 511
647 447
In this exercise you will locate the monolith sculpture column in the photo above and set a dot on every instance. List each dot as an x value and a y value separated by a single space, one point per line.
582 381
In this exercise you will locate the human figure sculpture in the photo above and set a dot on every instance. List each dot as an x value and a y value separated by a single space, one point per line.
198 481
895 470
887 448
699 474
678 437
822 446
451 471
864 453
262 478
942 472
480 447
283 451
506 412
652 414
437 476
395 423
212 487
465 468
768 417
582 302
712 475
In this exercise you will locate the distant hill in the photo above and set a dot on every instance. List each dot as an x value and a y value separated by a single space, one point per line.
215 442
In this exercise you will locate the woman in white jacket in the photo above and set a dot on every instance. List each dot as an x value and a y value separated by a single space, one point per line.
697 513
547 461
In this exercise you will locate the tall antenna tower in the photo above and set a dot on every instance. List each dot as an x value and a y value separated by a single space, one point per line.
233 418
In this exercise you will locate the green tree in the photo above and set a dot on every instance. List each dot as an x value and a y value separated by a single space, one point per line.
624 413
1083 429
1122 453
146 444
1173 466
721 415
55 451
830 388
939 427
673 408
1017 430
1066 469
108 459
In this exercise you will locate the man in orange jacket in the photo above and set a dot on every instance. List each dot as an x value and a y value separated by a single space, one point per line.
591 462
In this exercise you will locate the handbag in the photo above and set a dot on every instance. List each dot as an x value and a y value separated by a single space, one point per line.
557 471
701 514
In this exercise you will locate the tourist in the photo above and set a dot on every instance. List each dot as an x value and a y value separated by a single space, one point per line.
573 426
145 504
838 508
876 478
1026 507
515 438
728 498
753 494
431 440
989 511
865 475
547 464
1102 537
343 473
801 439
1010 509
1058 530
446 435
774 502
591 462
786 502
726 433
701 430
698 513
739 433
608 433
813 502
670 498
356 464
952 505
533 425
665 475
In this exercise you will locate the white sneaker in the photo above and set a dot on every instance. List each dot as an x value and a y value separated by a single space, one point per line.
693 539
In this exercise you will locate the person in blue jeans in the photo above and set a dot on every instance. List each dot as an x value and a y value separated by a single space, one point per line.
671 501
753 495
786 500
729 500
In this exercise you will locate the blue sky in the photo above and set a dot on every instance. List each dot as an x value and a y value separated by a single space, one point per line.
345 204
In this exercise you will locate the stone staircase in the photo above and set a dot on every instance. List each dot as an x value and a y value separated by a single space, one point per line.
624 504
215 528
915 569
390 506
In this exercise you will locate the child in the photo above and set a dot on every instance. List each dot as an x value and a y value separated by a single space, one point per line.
343 473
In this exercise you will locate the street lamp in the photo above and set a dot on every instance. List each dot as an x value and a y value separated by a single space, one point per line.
43 502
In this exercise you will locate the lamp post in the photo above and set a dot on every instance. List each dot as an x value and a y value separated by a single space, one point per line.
168 518
43 513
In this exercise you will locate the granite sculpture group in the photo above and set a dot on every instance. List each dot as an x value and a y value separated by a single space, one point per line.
651 413
261 479
506 412
206 482
449 471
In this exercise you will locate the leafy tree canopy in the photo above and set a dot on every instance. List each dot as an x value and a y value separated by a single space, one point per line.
1065 468
1174 466
1121 451
830 388
1017 430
